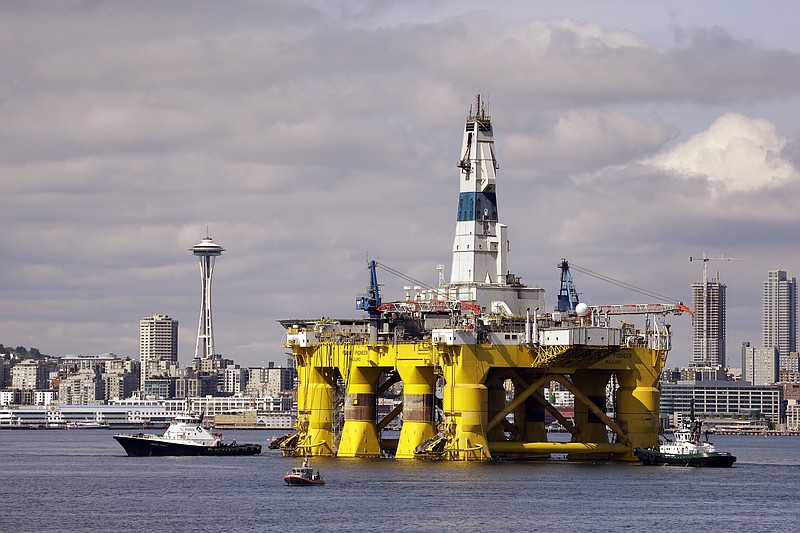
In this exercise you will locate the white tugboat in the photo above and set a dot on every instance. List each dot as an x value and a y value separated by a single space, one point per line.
184 436
686 450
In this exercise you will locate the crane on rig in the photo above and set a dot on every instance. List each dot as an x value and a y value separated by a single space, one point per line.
600 315
568 297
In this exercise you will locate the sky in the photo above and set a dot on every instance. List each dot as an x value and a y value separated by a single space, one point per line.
306 136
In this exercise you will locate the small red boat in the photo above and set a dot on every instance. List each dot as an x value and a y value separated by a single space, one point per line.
303 475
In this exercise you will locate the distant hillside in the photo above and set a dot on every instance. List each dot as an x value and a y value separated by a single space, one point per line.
21 352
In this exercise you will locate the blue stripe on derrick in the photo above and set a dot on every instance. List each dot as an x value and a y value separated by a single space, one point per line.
477 206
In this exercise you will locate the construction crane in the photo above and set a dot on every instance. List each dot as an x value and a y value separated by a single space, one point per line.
709 256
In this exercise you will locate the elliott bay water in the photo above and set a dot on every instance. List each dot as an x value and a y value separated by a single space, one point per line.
56 480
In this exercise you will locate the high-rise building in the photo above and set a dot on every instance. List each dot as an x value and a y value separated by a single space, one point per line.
206 251
759 364
29 374
235 379
708 325
158 342
779 316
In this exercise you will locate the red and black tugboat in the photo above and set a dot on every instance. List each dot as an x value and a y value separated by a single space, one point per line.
303 475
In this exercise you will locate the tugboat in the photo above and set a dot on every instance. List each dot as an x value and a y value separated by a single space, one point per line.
184 436
687 450
303 475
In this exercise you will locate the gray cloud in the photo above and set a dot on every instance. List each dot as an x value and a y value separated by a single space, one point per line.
305 135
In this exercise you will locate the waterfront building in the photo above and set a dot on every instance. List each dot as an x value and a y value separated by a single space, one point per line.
195 384
158 388
10 397
85 387
239 411
733 373
120 385
127 414
779 316
759 364
793 415
5 372
791 391
235 379
206 251
723 399
790 381
270 381
789 376
708 324
120 375
271 412
694 373
45 397
80 362
214 364
158 342
29 374
792 363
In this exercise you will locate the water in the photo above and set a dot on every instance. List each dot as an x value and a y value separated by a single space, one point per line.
82 481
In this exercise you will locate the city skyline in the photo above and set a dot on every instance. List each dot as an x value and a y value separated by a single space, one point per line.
628 138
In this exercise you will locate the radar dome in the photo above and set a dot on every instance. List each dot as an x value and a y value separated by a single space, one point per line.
581 309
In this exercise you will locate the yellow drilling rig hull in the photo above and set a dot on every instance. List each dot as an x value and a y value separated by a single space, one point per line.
476 422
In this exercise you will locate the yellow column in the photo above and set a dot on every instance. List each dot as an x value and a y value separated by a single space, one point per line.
638 399
470 416
418 406
315 410
360 432
466 402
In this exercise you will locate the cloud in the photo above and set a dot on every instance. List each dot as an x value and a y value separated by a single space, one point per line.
735 153
305 135
587 138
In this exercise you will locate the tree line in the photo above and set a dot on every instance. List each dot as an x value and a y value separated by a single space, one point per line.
21 352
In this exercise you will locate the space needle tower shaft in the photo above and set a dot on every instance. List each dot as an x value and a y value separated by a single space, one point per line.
206 251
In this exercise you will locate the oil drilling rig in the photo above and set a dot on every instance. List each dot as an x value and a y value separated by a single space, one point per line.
475 354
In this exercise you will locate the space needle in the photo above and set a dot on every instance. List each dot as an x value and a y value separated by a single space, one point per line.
206 251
